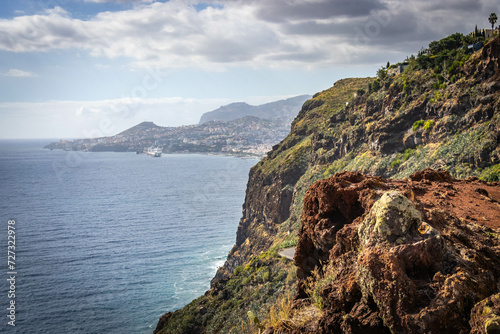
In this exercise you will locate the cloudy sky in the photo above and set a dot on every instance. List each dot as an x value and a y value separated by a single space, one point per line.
87 68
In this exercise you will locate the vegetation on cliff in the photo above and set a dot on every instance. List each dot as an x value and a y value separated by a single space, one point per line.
224 309
441 112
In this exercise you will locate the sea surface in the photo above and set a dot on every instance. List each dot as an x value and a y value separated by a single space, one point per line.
108 242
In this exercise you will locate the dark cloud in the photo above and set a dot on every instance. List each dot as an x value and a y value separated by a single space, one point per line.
381 27
280 10
301 57
451 5
226 51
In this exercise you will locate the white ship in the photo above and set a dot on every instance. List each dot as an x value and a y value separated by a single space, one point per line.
154 151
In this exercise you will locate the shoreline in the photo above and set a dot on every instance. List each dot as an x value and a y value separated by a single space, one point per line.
221 154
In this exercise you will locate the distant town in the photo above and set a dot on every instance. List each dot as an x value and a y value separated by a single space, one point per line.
245 136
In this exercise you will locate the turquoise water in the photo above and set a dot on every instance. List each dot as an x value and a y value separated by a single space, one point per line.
108 242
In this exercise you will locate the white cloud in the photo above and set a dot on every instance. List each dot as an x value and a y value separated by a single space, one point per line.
14 72
257 33
82 119
86 119
118 1
98 65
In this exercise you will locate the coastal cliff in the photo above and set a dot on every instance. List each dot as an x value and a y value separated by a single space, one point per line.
373 255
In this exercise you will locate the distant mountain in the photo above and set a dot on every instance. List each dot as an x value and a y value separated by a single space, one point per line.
285 109
139 128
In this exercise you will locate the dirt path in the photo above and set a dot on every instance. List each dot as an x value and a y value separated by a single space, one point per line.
288 252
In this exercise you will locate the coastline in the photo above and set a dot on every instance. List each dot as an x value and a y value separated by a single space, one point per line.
241 155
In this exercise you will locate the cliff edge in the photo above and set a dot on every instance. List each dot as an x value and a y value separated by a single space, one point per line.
439 262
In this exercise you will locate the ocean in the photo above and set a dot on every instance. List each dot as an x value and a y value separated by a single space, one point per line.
108 242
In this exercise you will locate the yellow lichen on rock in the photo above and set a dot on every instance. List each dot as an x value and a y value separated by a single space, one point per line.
389 220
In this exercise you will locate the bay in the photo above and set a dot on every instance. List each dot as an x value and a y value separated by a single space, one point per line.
108 242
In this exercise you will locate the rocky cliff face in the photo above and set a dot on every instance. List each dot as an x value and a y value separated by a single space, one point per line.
414 256
403 127
375 255
267 204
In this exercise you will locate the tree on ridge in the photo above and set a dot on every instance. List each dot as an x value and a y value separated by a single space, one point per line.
493 19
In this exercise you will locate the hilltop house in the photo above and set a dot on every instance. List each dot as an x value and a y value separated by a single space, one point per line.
397 69
489 33
486 33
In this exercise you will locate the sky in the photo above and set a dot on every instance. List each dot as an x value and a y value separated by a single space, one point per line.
92 68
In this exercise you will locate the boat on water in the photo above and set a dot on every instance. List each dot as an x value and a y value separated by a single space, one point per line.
154 151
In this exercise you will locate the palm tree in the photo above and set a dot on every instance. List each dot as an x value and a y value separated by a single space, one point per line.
493 19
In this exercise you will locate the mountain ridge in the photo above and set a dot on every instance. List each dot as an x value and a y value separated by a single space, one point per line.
286 109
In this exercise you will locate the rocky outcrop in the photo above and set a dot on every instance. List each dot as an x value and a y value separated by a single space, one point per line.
414 256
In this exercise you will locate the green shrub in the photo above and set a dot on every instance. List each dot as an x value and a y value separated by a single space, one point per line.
428 124
405 87
238 270
408 153
291 276
418 124
318 300
437 96
335 167
227 304
491 174
396 163
374 86
448 43
382 73
254 320
281 276
292 242
245 281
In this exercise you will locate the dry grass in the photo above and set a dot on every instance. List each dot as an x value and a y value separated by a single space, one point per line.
304 317
313 287
246 327
307 315
283 319
279 312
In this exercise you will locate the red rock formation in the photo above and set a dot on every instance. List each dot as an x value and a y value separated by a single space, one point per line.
414 256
